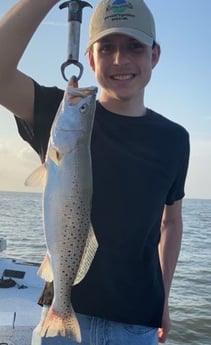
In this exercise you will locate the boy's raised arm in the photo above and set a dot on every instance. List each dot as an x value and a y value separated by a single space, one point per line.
16 29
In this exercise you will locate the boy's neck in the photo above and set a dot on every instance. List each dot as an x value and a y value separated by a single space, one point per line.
132 107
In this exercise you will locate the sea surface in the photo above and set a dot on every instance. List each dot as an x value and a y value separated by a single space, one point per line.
190 301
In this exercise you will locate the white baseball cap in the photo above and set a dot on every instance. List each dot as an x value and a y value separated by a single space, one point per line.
129 17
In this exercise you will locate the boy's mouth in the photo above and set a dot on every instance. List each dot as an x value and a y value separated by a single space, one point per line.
123 76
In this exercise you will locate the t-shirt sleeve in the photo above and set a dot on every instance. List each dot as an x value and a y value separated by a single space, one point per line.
177 190
47 101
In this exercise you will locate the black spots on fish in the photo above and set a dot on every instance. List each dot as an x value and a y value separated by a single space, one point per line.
74 228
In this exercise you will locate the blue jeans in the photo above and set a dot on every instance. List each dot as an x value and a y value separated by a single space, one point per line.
96 331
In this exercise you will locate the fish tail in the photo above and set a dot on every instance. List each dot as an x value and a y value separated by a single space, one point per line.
56 324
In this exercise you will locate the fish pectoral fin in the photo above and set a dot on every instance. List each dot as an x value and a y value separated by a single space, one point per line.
37 178
45 271
55 155
88 256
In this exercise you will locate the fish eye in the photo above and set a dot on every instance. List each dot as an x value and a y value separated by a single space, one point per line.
84 108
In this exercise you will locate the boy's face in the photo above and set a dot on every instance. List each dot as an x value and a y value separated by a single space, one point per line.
122 65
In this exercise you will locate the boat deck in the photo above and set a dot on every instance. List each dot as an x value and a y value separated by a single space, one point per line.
20 335
19 312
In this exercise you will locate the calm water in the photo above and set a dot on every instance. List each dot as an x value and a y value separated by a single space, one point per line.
21 225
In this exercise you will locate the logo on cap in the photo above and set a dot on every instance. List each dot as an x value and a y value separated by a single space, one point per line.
119 6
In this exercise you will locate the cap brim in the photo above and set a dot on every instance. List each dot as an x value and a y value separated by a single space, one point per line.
138 35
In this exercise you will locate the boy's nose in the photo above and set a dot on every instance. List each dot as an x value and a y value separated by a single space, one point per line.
120 56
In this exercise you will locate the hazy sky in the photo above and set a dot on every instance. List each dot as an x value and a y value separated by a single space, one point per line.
179 89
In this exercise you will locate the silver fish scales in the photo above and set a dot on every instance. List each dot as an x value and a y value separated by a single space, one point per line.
71 243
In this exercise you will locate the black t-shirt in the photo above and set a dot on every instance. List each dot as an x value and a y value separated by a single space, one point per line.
139 165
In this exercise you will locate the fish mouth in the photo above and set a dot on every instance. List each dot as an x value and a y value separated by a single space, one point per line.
76 95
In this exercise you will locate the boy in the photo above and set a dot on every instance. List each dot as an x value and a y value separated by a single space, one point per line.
139 160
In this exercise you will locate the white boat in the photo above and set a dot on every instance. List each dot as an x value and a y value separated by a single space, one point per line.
19 311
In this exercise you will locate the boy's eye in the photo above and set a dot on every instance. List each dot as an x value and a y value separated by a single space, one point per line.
132 46
106 47
135 45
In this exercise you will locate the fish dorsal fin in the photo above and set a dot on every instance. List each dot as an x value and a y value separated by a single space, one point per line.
88 256
45 271
38 177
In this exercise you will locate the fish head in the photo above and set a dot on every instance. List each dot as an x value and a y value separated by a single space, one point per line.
81 103
74 120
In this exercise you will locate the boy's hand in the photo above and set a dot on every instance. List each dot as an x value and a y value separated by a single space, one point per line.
166 325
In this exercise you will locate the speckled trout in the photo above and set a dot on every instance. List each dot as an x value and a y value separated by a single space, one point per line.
71 243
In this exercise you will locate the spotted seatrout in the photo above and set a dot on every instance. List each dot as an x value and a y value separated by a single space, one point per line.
71 244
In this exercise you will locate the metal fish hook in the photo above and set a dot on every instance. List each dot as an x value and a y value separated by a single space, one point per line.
75 8
72 62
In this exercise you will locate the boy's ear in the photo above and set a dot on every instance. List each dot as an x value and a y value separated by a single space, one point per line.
156 51
91 59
